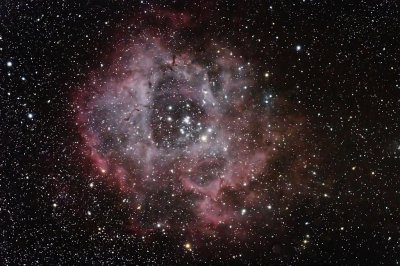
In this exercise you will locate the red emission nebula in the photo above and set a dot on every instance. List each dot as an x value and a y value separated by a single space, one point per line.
185 131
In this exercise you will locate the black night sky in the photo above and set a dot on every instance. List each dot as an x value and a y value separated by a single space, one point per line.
199 132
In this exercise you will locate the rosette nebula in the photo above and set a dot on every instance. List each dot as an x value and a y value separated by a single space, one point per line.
185 134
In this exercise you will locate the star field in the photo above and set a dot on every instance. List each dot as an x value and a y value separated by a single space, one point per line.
199 132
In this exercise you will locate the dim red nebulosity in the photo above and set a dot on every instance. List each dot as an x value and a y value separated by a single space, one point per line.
186 135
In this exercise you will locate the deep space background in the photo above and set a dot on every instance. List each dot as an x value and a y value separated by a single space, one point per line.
324 74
